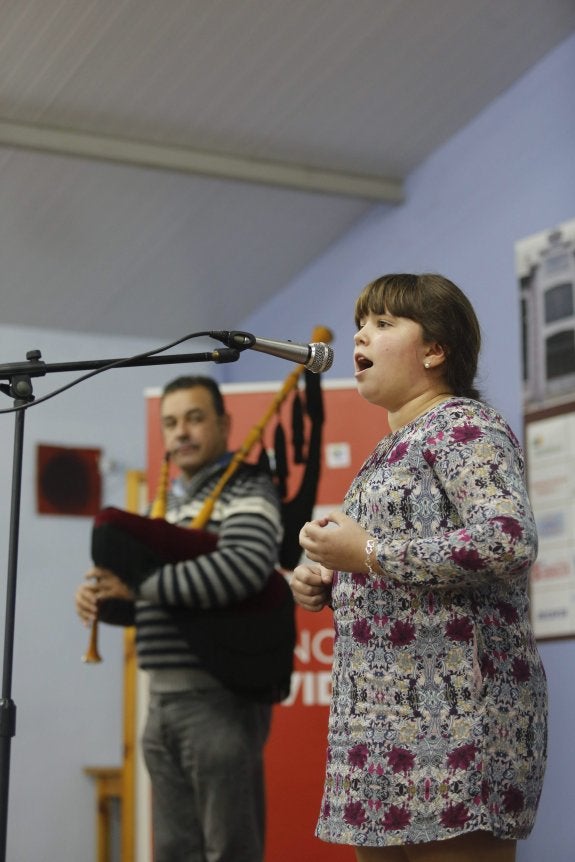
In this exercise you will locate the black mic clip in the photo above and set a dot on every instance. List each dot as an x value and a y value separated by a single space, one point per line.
236 340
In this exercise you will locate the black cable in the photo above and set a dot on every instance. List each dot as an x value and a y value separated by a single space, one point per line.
115 364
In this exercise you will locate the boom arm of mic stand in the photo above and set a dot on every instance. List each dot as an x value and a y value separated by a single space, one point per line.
34 367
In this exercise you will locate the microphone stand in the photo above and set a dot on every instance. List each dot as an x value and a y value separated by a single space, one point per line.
20 389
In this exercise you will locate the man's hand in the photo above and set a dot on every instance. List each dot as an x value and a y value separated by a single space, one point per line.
86 602
99 584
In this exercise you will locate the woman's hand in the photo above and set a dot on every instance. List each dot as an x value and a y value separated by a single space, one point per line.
336 542
311 586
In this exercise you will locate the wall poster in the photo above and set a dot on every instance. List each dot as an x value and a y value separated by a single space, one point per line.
545 264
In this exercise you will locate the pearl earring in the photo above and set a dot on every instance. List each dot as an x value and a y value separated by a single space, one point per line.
426 364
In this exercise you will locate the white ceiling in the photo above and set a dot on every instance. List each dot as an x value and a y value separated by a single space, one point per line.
170 166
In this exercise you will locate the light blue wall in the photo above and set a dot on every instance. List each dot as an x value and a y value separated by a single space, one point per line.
510 173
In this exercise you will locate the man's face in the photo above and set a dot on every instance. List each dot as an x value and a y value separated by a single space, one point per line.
194 434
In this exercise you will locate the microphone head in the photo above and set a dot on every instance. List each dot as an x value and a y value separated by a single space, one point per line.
320 358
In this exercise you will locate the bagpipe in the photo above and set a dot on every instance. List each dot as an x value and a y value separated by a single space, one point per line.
249 644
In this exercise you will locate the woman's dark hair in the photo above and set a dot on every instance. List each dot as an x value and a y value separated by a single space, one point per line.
191 382
444 313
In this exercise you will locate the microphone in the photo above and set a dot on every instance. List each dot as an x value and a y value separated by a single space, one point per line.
316 357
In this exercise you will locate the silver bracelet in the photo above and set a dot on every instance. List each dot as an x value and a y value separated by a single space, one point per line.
370 546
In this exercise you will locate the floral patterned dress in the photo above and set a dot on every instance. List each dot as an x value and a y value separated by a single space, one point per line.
438 718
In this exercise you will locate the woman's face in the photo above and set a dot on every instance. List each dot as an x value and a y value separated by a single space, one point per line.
389 359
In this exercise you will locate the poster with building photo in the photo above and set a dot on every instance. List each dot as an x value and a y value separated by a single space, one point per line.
545 264
550 445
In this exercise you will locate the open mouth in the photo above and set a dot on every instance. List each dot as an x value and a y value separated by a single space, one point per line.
361 362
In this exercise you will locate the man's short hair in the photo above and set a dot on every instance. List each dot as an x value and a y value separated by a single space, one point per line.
191 381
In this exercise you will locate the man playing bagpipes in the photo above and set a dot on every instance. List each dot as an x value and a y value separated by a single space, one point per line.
210 701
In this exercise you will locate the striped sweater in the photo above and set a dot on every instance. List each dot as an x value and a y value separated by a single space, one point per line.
247 519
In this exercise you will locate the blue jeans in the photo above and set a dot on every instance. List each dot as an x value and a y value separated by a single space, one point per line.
204 752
